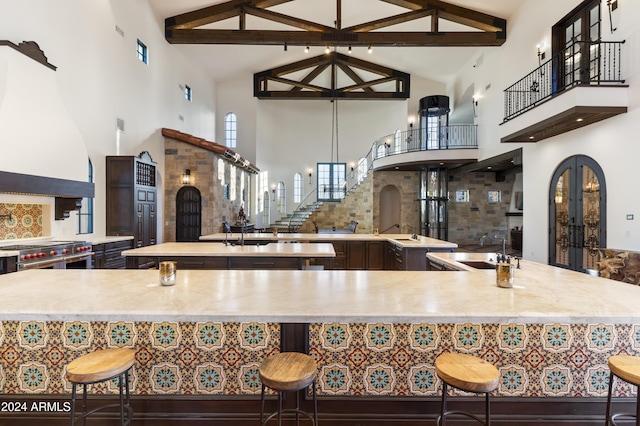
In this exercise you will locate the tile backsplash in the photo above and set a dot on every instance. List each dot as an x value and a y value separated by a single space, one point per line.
22 220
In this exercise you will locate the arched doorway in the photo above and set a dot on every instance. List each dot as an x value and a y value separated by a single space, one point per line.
188 214
577 214
389 208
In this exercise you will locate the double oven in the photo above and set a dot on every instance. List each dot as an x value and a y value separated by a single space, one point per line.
53 255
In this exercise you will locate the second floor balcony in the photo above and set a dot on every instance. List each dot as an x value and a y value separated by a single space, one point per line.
450 145
578 86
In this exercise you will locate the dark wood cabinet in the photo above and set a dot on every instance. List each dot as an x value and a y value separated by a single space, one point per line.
357 255
132 198
375 255
340 261
109 255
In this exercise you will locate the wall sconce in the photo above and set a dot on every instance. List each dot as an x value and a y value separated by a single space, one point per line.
411 121
474 103
310 171
273 191
186 177
541 55
353 165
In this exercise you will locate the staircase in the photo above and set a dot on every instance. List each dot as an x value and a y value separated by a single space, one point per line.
292 221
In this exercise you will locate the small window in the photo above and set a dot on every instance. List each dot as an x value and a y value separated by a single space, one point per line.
187 93
143 53
85 215
230 130
297 188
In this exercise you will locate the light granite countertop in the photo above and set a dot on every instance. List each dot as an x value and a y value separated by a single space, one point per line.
541 294
102 239
220 250
403 240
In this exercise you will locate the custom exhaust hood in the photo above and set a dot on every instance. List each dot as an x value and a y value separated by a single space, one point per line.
43 152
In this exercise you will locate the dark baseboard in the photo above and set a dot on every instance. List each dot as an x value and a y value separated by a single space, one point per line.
333 411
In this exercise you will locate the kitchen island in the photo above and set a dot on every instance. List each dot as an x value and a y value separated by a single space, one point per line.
375 335
227 256
358 251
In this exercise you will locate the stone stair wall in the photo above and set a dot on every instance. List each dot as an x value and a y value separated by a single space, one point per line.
357 205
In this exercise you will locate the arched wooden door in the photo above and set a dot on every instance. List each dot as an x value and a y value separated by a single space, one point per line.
577 214
188 214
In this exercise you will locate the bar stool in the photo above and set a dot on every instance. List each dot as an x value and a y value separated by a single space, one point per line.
469 374
101 366
288 371
627 368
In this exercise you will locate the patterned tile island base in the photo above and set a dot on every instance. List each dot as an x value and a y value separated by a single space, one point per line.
354 359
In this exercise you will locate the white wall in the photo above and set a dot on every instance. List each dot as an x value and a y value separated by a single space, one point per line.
100 78
612 143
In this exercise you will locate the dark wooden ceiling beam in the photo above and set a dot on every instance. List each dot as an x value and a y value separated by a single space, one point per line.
329 94
312 75
334 38
389 21
216 13
366 65
353 75
368 84
286 19
296 84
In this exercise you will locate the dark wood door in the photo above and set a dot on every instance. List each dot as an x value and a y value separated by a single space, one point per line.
188 214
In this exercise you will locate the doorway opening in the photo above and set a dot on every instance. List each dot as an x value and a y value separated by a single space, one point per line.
577 214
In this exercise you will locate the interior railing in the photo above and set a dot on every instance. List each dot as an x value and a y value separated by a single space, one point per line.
582 63
454 136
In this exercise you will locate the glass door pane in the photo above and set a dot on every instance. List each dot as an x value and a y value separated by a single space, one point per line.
591 218
562 231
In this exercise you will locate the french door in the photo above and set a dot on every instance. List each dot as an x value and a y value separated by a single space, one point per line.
577 218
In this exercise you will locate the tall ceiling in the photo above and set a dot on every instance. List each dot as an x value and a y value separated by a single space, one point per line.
435 63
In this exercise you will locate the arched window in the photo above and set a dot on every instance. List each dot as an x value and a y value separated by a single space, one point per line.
297 188
281 198
397 142
381 151
230 130
85 215
362 169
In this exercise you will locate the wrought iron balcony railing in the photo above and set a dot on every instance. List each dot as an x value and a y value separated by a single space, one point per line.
582 63
455 136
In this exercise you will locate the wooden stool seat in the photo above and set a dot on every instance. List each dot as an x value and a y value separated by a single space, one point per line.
627 368
288 371
100 366
467 373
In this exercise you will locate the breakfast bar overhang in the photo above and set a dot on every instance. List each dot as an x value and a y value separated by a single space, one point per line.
375 335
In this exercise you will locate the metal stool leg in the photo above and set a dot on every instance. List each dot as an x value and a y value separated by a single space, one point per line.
315 405
84 405
262 406
607 419
279 408
487 410
443 407
637 406
73 404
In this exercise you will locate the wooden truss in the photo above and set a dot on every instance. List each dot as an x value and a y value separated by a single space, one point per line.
386 83
487 30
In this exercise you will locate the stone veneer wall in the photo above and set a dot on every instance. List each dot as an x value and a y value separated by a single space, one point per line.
362 204
357 205
408 184
204 174
468 221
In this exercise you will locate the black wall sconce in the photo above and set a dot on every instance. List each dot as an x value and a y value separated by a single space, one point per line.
310 171
186 177
273 191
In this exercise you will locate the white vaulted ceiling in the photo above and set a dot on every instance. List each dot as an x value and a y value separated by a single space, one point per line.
435 63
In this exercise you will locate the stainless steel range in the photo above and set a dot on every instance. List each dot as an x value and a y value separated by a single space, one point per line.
53 255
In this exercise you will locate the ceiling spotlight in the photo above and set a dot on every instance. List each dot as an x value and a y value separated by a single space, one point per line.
306 49
369 49
327 50
349 49
579 119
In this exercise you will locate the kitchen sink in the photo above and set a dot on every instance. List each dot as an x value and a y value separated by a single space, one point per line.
478 264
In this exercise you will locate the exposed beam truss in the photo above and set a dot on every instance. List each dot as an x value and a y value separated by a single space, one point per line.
277 83
485 30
